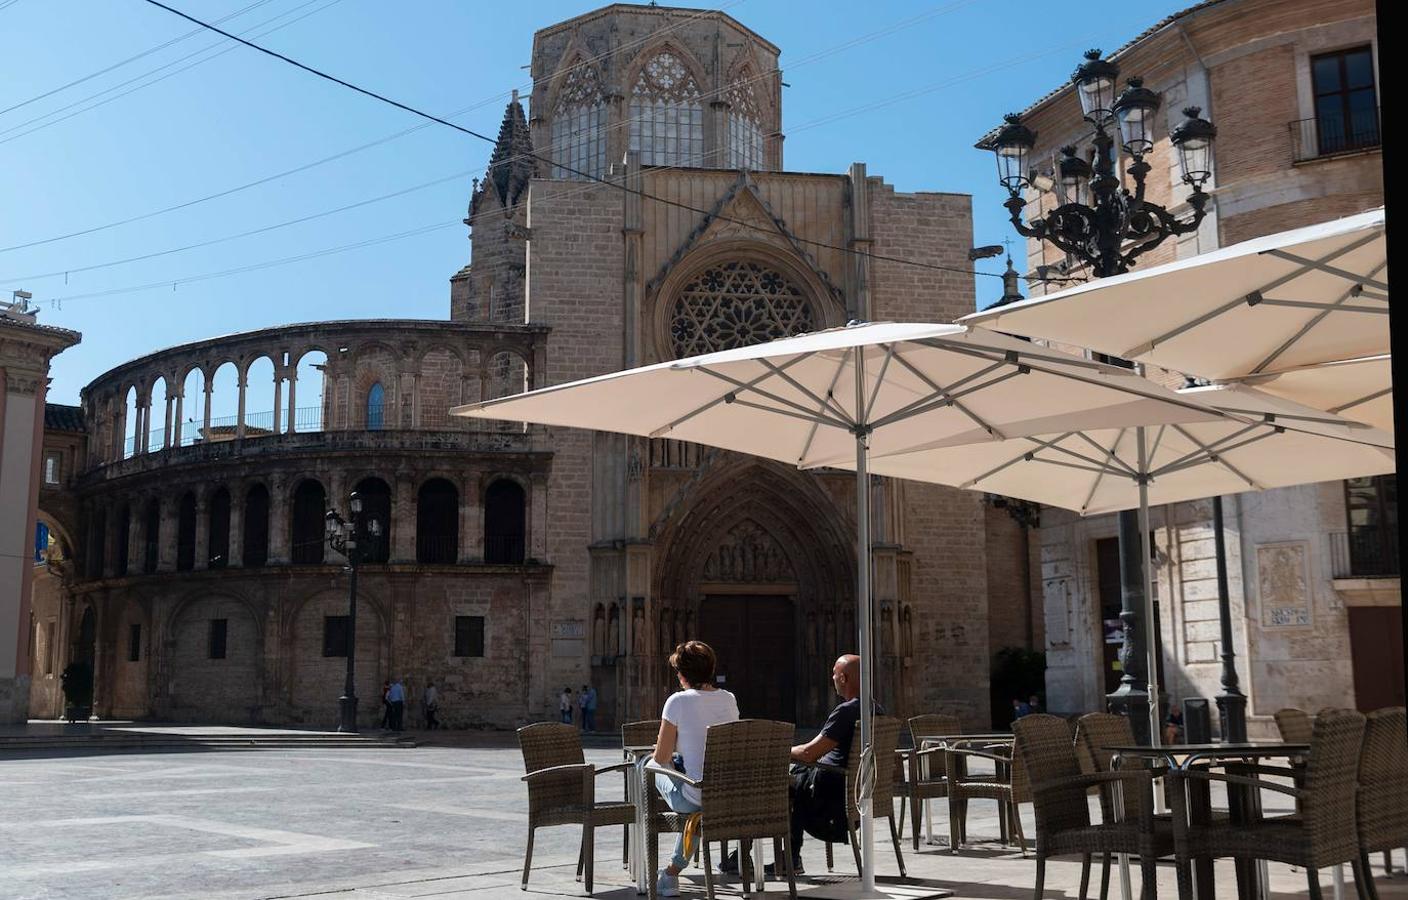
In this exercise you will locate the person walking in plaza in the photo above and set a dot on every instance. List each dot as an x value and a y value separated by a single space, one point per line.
386 705
818 795
430 705
588 708
564 706
687 715
396 699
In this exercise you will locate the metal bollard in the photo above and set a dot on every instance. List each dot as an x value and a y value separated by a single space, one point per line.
1197 721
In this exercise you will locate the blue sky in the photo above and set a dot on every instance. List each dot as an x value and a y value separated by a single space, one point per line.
909 103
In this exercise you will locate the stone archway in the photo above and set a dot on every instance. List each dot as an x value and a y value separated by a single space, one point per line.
758 564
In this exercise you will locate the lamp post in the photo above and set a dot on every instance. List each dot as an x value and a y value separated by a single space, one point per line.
1105 224
348 537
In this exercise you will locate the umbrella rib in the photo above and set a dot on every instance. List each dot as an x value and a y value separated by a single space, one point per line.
752 388
1305 329
1327 307
1362 400
826 403
1158 439
945 392
1217 456
1370 280
1014 460
1227 307
721 398
863 414
1110 454
1205 448
1009 355
805 415
1095 485
951 400
1315 420
823 404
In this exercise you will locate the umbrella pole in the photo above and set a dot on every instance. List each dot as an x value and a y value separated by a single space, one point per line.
1151 632
867 688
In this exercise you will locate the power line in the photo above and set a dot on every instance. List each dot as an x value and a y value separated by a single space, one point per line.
315 163
117 65
51 114
588 176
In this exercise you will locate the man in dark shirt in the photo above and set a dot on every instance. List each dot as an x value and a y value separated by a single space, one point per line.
818 794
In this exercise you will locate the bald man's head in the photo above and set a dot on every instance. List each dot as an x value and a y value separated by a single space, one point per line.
845 675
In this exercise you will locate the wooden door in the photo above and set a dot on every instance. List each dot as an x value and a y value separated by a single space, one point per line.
755 642
1376 652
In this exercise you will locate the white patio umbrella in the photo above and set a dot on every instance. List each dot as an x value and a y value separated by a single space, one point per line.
842 394
1271 442
1358 389
1311 295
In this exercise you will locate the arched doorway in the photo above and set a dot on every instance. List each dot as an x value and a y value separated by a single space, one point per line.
82 666
759 566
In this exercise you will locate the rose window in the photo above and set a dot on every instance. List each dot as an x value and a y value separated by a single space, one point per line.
736 304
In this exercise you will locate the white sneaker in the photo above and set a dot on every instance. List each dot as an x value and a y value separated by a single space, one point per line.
667 885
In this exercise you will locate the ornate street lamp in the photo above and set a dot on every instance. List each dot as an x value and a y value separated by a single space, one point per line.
1098 220
348 538
1106 225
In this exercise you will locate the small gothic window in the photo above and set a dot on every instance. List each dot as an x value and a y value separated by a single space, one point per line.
505 521
667 114
579 124
437 523
186 533
134 642
51 468
736 304
309 509
256 527
219 553
745 124
41 544
376 401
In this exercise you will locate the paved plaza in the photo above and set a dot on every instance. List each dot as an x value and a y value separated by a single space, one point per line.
375 824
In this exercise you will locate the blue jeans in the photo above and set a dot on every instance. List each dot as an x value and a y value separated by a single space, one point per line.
672 792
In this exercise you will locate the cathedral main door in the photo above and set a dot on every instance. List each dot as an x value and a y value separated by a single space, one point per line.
755 640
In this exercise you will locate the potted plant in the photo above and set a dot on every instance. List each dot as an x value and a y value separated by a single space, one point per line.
77 681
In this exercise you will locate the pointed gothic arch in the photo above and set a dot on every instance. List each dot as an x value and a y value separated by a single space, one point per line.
666 92
579 120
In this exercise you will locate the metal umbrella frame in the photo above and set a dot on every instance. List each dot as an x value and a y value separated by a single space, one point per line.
929 384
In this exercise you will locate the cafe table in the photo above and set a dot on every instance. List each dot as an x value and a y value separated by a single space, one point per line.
1244 803
636 787
980 741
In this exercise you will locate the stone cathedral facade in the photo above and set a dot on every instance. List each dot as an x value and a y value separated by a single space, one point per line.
638 210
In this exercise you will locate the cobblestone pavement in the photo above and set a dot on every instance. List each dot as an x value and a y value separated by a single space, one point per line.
374 824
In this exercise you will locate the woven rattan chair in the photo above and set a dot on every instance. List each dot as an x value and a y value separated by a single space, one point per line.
636 734
997 786
1383 790
1063 826
1322 833
562 790
1094 733
885 735
911 784
744 797
1295 725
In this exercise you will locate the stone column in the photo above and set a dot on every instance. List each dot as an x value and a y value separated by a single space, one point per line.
209 391
202 560
177 420
278 520
471 549
144 415
276 423
292 401
118 448
134 537
166 549
415 400
21 423
166 417
238 494
239 422
538 517
403 530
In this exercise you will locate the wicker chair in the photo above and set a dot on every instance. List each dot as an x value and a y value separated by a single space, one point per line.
744 797
915 788
1063 826
1295 725
636 734
562 790
885 736
1383 790
963 787
1322 833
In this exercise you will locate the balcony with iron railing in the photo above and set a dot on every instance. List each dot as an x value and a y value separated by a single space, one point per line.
1369 551
1331 135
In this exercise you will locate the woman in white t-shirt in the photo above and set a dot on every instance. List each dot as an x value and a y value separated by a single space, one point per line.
687 715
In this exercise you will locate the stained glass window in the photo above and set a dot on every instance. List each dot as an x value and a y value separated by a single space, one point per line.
579 125
736 304
667 116
376 402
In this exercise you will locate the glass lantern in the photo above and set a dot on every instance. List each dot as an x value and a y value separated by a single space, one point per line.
1135 110
1013 146
1193 137
1095 84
